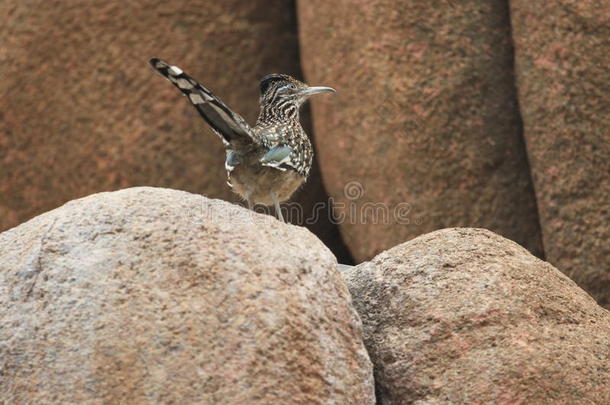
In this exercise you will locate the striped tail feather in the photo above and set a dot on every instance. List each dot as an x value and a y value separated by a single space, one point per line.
230 126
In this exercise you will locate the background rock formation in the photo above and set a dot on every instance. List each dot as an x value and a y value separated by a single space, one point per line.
425 120
425 131
464 315
564 87
82 112
158 296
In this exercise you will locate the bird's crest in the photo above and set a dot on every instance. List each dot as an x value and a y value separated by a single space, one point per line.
274 79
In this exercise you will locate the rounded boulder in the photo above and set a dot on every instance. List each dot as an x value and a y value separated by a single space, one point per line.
149 295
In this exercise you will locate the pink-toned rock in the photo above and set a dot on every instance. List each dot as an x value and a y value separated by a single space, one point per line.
462 316
425 122
159 296
82 112
564 86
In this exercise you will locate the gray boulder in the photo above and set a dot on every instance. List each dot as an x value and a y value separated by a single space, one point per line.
151 295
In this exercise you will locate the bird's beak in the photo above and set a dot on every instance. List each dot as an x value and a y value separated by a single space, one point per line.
310 91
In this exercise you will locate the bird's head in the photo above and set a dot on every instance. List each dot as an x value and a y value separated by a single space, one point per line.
282 95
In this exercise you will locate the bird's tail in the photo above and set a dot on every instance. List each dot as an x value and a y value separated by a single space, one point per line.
229 125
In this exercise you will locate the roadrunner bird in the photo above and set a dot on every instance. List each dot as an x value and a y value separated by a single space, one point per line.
266 163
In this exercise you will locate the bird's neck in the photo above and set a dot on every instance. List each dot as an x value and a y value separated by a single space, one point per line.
275 115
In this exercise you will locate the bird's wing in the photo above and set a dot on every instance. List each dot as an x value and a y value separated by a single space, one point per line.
231 161
279 157
231 127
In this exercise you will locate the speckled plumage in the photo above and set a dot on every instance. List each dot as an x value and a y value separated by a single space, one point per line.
266 163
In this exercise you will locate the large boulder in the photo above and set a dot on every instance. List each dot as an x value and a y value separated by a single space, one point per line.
465 316
158 296
424 132
563 81
82 112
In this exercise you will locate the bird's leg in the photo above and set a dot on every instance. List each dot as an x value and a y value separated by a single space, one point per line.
250 207
278 211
